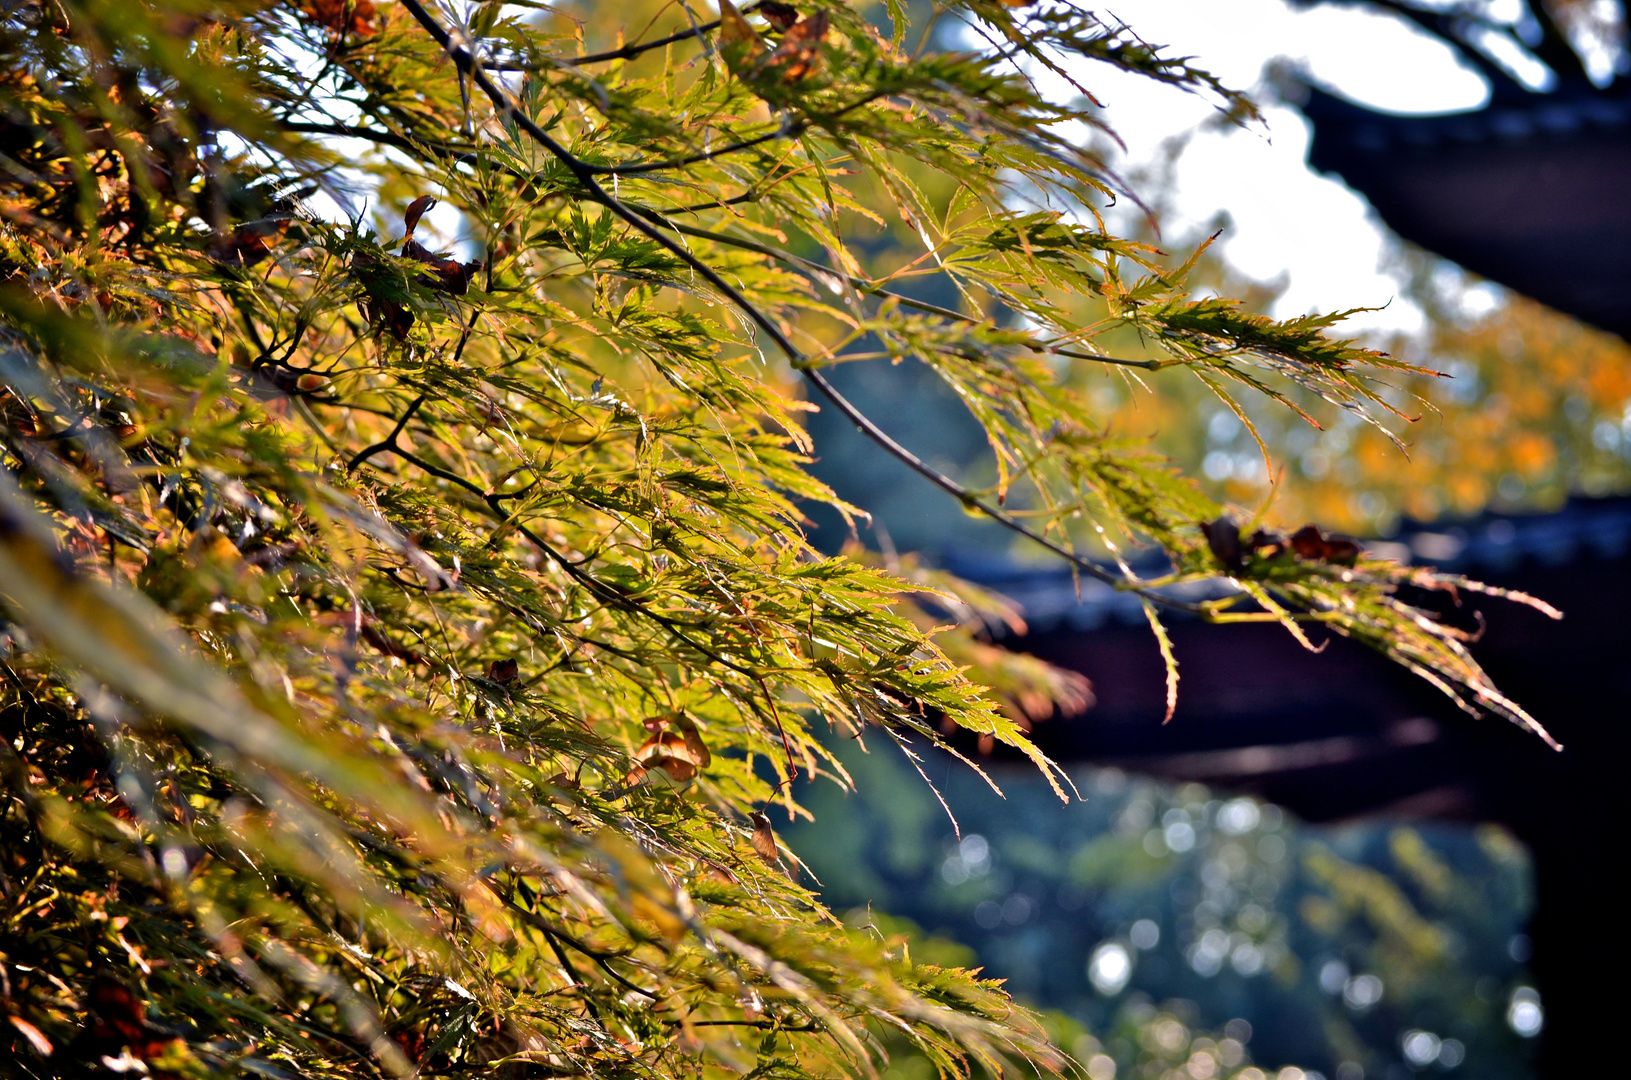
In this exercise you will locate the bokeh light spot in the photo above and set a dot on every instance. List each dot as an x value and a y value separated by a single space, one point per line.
1524 1015
1017 909
1109 968
1239 816
1420 1047
1179 836
1362 991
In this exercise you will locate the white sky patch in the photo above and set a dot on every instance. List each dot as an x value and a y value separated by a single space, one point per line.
1285 219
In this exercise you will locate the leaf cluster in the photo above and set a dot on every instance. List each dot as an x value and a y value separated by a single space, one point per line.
406 644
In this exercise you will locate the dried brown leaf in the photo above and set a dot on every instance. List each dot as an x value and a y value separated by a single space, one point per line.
800 50
360 17
781 16
1223 537
1310 543
415 211
764 838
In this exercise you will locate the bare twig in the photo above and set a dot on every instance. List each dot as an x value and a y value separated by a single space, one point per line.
389 442
622 52
789 129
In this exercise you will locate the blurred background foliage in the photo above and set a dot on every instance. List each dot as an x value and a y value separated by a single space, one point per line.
1191 933
1534 408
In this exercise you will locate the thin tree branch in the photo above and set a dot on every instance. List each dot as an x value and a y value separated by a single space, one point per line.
790 128
586 175
768 1025
389 442
557 935
624 52
872 289
865 425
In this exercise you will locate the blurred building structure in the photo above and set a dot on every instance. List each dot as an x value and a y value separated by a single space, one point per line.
1532 191
1345 733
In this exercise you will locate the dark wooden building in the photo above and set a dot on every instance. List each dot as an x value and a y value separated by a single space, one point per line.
1532 191
1345 733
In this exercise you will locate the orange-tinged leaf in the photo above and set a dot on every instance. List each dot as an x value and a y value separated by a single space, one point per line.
781 16
800 50
1309 543
1168 658
360 17
693 741
250 243
415 211
671 752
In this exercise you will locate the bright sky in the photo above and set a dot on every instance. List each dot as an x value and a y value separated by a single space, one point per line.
1286 219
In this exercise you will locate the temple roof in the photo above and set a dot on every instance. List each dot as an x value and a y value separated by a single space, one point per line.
1530 192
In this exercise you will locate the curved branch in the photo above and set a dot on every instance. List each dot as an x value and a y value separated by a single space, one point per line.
789 129
871 289
586 173
626 52
622 52
389 442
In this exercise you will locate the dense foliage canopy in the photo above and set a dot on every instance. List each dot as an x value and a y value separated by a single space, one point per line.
404 647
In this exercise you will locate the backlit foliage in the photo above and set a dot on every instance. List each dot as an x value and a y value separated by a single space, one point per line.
1534 407
404 646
